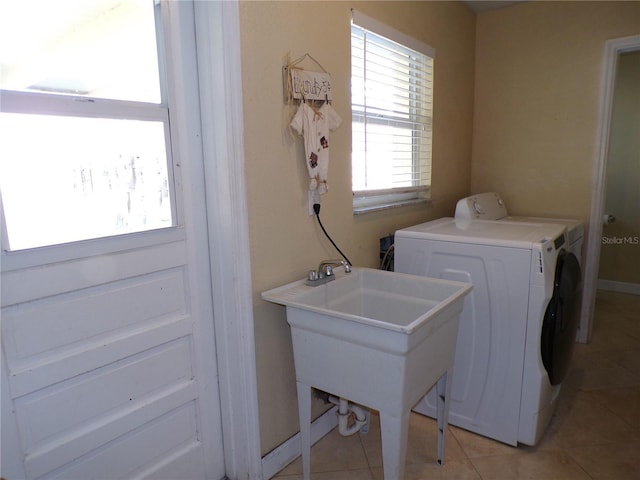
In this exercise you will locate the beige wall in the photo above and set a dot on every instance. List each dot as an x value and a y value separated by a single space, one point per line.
285 241
538 74
620 253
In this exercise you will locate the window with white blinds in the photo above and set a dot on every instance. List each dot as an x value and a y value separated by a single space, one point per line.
392 105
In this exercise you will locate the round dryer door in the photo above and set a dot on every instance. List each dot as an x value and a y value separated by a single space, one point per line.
561 318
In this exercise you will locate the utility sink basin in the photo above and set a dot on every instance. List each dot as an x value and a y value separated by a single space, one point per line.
381 339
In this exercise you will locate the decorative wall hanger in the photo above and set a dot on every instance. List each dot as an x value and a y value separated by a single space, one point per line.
312 121
301 84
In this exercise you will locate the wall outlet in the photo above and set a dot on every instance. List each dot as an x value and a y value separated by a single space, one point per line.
314 198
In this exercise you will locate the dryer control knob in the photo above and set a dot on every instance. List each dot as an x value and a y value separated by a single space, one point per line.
478 208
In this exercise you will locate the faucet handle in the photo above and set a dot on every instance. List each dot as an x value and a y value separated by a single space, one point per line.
327 270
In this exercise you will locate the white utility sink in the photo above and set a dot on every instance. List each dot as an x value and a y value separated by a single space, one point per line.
378 338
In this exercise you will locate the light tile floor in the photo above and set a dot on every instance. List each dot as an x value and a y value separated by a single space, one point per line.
594 435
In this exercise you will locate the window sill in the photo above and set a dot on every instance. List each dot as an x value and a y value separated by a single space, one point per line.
360 210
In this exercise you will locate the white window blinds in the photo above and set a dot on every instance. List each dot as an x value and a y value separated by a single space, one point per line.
392 97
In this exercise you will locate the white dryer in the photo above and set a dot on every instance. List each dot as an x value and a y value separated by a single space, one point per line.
511 352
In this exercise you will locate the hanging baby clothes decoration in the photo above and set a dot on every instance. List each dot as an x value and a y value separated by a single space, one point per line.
314 125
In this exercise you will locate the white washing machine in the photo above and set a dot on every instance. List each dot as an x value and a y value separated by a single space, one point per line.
489 206
512 350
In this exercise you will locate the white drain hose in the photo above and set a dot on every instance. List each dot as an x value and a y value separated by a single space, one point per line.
344 410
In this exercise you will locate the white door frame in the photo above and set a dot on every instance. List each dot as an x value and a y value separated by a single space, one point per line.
220 77
611 51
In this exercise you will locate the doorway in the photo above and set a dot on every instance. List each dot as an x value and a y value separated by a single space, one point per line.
620 245
614 49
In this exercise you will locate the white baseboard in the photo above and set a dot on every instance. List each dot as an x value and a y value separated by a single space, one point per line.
622 287
283 455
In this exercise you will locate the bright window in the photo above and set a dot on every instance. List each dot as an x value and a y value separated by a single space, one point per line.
392 104
84 124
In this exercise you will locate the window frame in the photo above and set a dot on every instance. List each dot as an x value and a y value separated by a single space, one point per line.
372 200
34 102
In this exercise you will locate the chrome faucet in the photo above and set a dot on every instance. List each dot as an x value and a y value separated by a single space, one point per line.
326 266
324 273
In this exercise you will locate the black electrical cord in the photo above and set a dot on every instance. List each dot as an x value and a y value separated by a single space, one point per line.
316 209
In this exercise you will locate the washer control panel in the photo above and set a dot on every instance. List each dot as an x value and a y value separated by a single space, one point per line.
483 206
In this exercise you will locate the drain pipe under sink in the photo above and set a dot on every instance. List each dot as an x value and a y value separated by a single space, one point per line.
361 417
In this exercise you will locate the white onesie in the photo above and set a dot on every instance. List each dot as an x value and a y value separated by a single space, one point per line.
314 126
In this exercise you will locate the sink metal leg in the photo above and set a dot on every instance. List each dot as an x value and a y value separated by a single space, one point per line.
394 432
304 417
443 394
